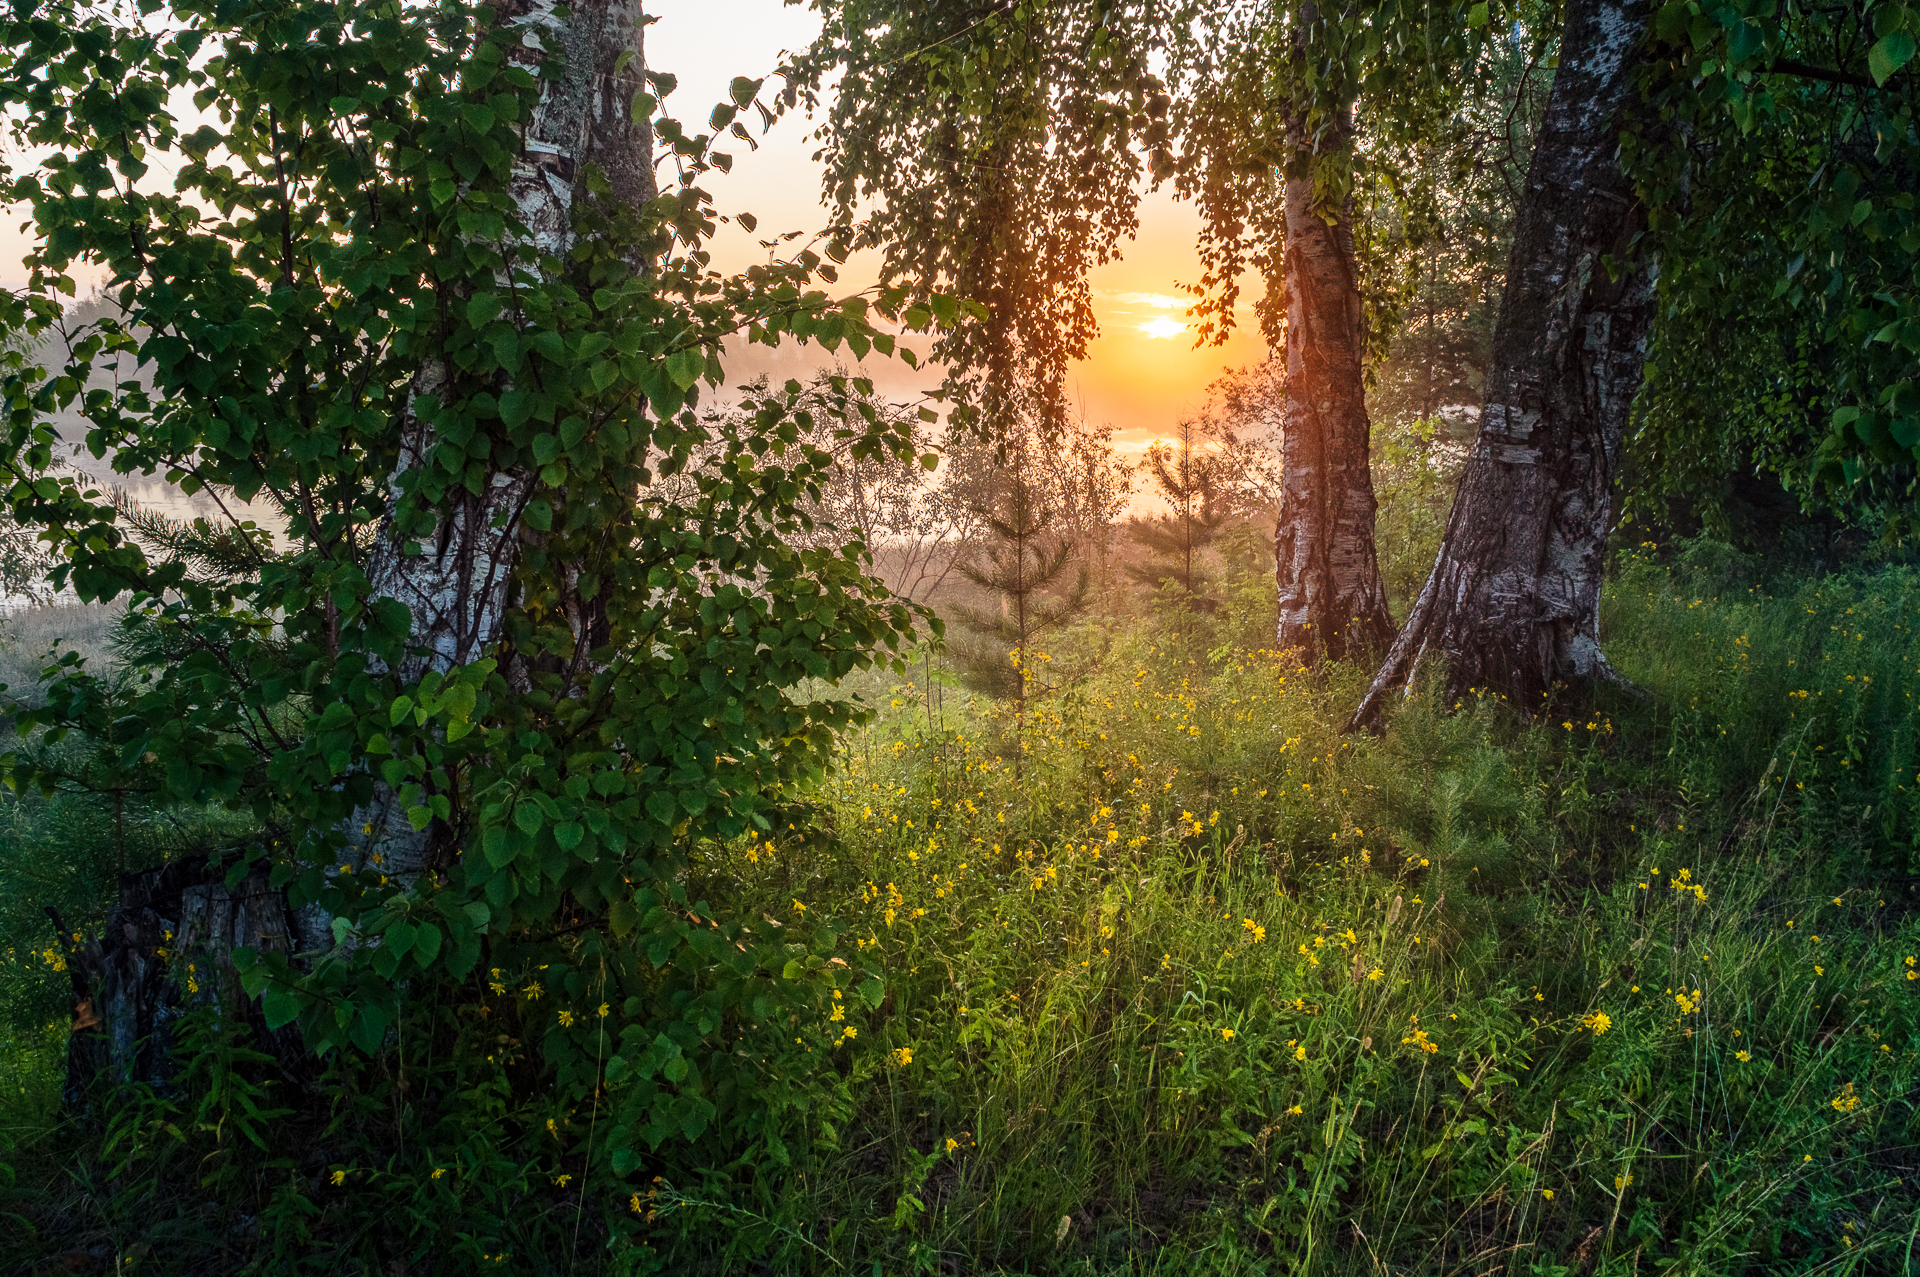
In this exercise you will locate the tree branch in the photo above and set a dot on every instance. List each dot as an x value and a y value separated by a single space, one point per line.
1805 71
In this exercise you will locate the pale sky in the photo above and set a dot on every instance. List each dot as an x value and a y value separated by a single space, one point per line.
1142 373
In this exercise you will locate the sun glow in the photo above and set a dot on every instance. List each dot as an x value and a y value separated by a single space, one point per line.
1163 326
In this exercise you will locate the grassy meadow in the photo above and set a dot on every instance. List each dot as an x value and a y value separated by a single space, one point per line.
1179 979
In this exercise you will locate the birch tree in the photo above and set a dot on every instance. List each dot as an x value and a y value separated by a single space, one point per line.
1512 604
1001 154
532 629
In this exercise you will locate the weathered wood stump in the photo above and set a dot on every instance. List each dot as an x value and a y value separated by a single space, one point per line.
168 947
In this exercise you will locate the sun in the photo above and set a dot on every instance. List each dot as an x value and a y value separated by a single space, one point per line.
1163 326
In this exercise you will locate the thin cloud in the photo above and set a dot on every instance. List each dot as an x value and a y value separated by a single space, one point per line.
1161 300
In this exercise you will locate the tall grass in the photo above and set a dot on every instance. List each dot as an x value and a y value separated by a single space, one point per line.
1204 986
1211 988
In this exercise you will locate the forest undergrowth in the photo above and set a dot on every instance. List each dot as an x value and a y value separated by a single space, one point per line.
1182 980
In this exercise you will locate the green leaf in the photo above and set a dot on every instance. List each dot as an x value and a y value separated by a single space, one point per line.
279 1006
1889 54
873 991
685 367
1671 23
369 1027
538 515
426 944
482 308
623 918
516 407
497 845
1477 15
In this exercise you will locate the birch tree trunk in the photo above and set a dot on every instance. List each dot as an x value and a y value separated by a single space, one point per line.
1512 604
1332 603
456 586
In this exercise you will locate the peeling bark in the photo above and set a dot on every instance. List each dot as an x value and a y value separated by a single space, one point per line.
1512 604
1332 604
456 585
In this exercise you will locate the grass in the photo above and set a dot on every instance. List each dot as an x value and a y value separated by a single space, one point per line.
1202 986
1209 988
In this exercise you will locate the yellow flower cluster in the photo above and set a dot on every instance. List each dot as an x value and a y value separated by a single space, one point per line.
1682 881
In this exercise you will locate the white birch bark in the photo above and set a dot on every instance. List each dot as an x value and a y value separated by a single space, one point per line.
456 586
1512 605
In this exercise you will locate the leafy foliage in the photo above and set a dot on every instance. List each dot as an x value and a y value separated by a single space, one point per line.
995 152
345 224
1790 319
1270 89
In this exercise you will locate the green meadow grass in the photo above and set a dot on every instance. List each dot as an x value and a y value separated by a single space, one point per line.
1185 981
1207 987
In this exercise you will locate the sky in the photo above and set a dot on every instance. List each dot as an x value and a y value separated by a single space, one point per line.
1142 374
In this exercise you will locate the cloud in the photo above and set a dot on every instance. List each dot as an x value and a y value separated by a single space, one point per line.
1161 300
